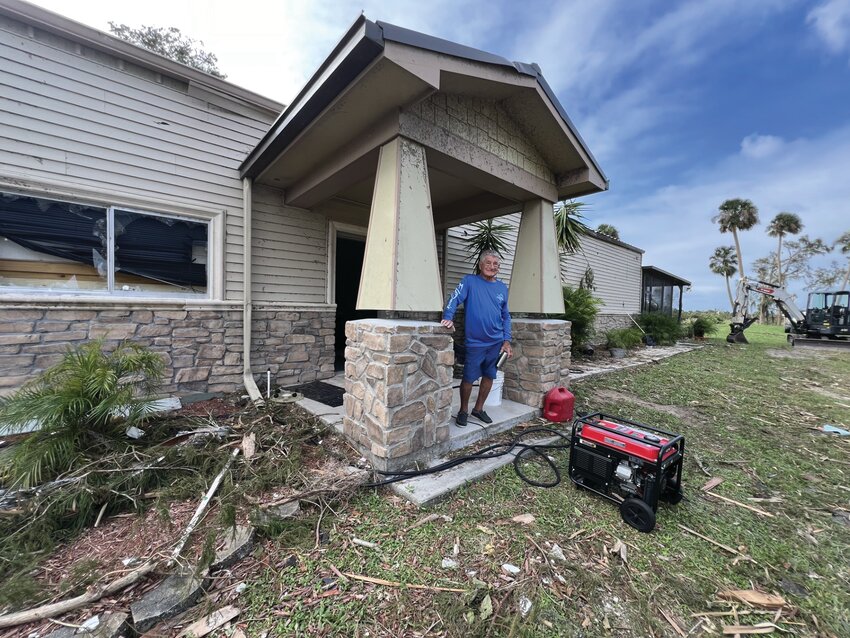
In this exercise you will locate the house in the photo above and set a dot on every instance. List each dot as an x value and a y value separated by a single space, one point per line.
612 266
225 231
662 292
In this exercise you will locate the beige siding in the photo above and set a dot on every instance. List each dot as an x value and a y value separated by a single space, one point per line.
616 274
616 269
81 122
290 251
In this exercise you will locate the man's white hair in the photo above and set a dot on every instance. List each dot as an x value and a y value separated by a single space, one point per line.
489 253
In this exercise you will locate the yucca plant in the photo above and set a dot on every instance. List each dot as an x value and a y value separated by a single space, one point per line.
486 235
79 407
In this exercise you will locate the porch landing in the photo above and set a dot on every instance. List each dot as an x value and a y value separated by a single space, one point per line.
505 416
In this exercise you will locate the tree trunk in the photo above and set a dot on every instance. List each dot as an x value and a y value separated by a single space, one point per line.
779 261
846 278
729 292
738 251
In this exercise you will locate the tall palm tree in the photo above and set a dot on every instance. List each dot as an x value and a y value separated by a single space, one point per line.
844 243
734 215
486 235
722 262
781 225
569 225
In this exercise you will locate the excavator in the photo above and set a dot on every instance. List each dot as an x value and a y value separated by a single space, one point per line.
827 314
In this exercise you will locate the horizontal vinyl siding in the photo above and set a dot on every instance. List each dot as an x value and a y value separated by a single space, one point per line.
616 274
289 252
79 124
457 262
616 270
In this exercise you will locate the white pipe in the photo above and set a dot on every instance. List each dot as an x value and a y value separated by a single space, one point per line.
247 375
269 383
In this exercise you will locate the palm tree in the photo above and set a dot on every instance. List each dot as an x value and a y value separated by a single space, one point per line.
608 229
569 225
734 215
844 242
722 262
781 225
486 235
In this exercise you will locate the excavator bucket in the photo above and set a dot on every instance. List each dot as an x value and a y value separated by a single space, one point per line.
736 337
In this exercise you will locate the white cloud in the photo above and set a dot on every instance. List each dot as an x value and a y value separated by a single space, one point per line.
673 224
831 22
758 146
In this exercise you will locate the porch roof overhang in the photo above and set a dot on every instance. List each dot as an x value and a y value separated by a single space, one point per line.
325 144
662 277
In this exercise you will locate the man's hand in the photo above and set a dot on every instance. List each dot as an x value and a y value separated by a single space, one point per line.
448 323
506 347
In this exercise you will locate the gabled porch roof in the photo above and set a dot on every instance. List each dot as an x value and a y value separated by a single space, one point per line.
325 144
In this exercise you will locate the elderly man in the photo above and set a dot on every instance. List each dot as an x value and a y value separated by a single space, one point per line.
487 328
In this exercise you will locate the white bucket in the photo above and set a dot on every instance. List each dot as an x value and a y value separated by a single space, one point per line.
495 396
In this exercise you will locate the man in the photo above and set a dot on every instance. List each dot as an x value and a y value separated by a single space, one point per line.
487 328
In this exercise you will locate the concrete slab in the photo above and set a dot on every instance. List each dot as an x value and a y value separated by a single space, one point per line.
432 488
580 369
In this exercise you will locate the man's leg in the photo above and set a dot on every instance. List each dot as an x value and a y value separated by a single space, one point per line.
483 391
465 393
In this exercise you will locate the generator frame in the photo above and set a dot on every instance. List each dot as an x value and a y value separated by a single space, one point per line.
666 470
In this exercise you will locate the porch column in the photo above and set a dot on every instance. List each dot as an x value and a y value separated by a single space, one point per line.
536 276
400 268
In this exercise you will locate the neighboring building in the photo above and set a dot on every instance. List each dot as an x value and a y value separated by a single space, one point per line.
613 266
142 199
662 292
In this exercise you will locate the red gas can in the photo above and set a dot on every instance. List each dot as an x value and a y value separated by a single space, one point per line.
558 405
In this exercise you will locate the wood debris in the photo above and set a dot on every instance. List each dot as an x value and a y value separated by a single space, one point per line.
740 630
210 623
754 598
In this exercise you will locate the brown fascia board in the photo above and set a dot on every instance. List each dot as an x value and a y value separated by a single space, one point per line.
360 46
683 282
616 242
78 32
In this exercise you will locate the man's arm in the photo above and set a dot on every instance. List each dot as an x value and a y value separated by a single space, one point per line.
456 298
506 327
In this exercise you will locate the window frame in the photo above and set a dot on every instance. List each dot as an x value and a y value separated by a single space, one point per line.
214 221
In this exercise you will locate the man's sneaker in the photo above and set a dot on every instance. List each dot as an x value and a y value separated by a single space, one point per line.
482 416
461 419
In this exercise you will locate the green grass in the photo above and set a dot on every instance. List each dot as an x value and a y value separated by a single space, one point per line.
749 413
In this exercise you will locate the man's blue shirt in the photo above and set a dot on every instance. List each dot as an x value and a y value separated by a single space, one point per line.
487 318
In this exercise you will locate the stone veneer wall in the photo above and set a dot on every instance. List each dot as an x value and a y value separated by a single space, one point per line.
297 345
398 382
202 346
604 323
540 362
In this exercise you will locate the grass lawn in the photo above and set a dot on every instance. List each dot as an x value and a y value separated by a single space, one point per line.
750 416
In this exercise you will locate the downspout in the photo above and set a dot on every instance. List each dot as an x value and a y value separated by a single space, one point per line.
247 375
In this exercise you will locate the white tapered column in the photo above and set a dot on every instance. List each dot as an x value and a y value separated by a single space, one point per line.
400 268
536 276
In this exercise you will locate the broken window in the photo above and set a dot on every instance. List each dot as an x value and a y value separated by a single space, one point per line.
63 246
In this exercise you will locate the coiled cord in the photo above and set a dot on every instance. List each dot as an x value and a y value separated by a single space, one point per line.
493 451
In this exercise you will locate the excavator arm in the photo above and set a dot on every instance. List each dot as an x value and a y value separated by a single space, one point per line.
741 320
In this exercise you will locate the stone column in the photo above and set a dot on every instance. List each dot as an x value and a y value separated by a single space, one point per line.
398 390
540 362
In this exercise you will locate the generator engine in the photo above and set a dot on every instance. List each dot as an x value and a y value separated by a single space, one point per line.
630 463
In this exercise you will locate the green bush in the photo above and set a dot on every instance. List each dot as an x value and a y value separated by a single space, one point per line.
663 329
79 405
626 338
703 326
580 309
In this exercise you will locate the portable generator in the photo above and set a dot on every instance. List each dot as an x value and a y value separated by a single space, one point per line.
629 463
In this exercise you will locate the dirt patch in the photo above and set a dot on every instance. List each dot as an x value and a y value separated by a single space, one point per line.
685 414
800 353
215 408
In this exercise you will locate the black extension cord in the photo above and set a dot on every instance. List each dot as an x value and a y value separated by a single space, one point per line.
494 451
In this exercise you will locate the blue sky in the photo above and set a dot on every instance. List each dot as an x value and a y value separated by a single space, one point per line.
684 104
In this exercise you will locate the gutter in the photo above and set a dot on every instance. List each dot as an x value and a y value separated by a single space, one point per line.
247 375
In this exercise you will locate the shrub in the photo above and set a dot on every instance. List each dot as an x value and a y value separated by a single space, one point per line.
664 329
626 338
702 326
580 308
79 405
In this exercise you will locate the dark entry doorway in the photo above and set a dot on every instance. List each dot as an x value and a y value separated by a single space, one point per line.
349 263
